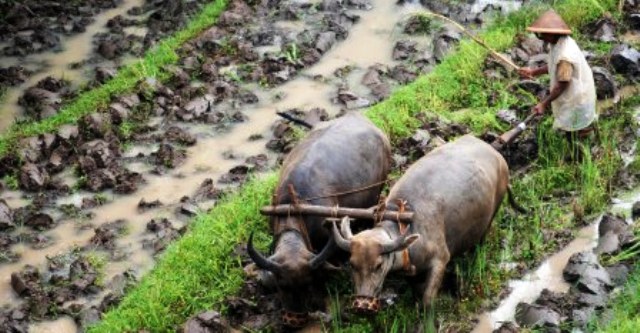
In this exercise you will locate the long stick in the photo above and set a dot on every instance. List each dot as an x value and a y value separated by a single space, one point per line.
476 39
326 211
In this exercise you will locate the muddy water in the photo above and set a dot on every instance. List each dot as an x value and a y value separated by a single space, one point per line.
547 276
75 49
624 203
64 324
370 41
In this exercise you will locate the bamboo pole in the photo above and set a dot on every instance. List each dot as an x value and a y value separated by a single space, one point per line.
326 211
495 53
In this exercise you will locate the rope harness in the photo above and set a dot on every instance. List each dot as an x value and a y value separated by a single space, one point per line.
300 227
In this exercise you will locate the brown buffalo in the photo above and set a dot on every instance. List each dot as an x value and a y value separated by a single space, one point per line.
347 154
454 192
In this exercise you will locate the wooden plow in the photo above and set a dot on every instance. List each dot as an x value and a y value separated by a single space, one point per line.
507 137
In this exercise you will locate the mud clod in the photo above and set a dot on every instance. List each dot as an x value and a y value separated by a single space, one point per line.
350 100
12 76
25 282
537 316
237 174
144 205
206 322
40 103
168 156
635 211
404 50
177 135
207 191
33 178
164 234
606 86
625 60
39 221
106 235
6 216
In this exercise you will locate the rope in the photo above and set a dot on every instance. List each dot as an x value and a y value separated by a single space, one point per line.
339 194
475 39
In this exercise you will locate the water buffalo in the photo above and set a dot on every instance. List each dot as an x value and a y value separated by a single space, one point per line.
454 192
347 154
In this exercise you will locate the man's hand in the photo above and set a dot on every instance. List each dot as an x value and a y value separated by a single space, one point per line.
526 72
538 110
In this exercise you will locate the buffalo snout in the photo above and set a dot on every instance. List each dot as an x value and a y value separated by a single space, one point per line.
365 305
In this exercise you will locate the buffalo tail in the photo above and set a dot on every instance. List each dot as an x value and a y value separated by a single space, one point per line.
513 203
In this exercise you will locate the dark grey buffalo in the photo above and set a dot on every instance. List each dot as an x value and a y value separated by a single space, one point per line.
349 154
454 192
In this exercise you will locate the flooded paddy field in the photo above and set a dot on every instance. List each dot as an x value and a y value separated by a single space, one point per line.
86 211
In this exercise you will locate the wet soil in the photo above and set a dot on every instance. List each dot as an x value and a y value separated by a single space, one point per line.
126 191
72 181
83 42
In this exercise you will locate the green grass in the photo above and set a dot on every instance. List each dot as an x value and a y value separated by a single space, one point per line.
152 65
624 309
197 271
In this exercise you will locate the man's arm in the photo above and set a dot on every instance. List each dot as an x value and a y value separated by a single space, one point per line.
563 77
533 72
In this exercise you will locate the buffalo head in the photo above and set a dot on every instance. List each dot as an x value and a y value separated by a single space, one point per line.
290 270
291 263
373 254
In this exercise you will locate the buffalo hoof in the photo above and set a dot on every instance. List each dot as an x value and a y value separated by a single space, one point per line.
366 305
294 319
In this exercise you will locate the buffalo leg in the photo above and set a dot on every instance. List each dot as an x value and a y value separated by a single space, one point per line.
433 281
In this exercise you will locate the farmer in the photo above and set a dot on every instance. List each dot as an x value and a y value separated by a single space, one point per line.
573 95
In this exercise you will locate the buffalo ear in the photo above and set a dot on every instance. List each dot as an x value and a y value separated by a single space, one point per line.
408 241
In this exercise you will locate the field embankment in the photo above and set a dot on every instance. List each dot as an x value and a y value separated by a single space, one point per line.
455 98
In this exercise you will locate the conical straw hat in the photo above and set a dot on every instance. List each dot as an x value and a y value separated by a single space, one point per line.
550 23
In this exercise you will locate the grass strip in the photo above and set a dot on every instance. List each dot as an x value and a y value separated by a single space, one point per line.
455 83
152 65
199 270
623 316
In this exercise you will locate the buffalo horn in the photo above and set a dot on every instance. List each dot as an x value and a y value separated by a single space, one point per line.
345 228
393 245
342 243
259 259
321 257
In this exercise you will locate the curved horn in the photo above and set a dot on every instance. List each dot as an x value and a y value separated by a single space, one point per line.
340 241
393 245
345 228
321 257
259 259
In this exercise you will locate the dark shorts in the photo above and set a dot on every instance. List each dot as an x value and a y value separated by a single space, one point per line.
587 132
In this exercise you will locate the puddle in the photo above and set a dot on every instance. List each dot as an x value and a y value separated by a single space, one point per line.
505 6
62 325
76 48
549 274
370 41
624 203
